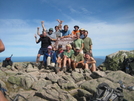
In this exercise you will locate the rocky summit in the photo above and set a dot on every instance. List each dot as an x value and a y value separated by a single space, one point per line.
35 84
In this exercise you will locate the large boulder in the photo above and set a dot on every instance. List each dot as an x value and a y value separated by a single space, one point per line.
115 61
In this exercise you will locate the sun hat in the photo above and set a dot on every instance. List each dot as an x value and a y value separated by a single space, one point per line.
82 29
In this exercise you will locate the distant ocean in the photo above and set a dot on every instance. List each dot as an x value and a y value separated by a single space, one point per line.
99 59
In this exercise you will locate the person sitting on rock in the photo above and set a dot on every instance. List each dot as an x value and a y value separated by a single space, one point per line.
67 57
77 59
59 55
89 63
49 58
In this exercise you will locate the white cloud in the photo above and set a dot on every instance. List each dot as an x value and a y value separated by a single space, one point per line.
19 37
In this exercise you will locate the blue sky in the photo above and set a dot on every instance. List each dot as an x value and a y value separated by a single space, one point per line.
110 23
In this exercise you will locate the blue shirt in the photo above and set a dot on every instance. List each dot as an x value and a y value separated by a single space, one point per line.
65 33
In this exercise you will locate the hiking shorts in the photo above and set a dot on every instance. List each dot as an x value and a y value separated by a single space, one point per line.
42 51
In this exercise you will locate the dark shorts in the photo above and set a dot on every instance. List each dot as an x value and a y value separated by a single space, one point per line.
42 51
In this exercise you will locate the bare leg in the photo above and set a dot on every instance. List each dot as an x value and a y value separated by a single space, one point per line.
93 68
38 58
64 62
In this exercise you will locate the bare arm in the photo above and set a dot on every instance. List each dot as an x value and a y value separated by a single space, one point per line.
92 60
36 38
60 24
38 32
43 27
2 47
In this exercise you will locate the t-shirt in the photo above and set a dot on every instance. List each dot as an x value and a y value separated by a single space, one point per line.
52 36
65 33
78 43
45 41
87 43
78 57
82 36
58 34
74 32
68 54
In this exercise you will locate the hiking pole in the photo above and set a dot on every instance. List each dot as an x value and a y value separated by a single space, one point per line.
17 96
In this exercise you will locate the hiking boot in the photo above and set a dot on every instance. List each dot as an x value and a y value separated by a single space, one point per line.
86 71
64 69
70 70
56 69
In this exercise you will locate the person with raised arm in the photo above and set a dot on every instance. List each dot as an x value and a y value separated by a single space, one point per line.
45 42
65 31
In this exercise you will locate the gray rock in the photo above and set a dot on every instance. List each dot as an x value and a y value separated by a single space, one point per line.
77 76
40 84
114 60
64 84
52 77
98 74
55 94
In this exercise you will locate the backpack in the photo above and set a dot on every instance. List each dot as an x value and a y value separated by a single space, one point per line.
128 65
106 93
7 62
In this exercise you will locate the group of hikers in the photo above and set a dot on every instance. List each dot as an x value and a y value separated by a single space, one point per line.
77 54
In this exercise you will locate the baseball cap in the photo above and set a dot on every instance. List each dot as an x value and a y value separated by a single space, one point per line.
50 29
50 47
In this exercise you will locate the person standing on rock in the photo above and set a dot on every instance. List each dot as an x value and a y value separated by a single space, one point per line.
77 59
78 43
87 43
89 63
65 31
45 42
75 31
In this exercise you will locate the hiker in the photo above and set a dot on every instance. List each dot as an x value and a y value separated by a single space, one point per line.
77 59
78 43
67 57
2 97
2 47
76 30
82 31
50 33
45 42
89 63
87 43
65 32
43 29
57 32
59 55
49 58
